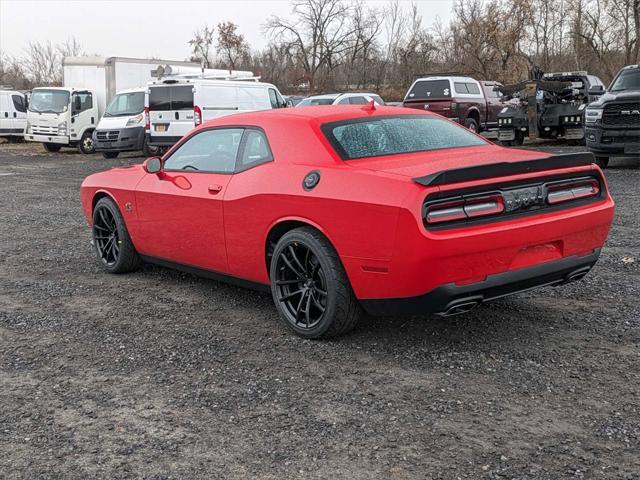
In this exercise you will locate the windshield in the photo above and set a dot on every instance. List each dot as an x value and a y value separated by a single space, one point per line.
627 80
393 135
125 104
315 101
430 89
49 101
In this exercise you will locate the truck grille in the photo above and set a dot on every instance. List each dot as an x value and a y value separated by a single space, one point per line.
108 135
622 114
44 130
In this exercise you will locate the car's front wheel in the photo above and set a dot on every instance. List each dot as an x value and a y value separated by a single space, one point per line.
111 240
310 287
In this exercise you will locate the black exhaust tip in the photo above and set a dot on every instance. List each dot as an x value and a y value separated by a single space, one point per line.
460 308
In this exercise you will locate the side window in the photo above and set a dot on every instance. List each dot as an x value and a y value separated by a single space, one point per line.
273 98
344 101
82 101
358 101
208 151
18 103
256 150
473 88
460 87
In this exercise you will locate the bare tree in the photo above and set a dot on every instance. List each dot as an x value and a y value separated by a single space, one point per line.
232 47
201 45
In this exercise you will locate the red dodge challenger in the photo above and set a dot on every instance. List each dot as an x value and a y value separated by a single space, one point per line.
344 209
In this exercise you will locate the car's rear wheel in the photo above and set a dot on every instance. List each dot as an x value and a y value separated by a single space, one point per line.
52 147
111 240
602 162
110 154
310 287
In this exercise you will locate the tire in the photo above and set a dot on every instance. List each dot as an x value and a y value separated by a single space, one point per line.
110 154
52 147
602 162
111 240
519 140
86 144
325 305
149 150
472 125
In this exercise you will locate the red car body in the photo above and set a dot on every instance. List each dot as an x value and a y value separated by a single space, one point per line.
371 210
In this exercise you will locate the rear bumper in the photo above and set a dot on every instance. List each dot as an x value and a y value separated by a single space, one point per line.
451 299
61 140
159 141
128 140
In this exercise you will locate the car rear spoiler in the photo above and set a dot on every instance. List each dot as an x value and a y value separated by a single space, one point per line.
482 172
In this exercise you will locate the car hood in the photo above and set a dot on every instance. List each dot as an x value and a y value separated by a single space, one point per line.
626 96
426 163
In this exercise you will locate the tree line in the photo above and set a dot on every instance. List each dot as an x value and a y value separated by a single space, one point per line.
329 45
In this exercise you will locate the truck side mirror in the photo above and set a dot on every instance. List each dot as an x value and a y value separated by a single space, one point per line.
596 90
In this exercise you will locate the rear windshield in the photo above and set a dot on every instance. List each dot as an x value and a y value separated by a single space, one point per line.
315 101
430 89
392 135
171 98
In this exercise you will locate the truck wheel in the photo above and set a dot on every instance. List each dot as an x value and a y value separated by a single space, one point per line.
149 150
87 145
602 162
472 125
110 154
52 147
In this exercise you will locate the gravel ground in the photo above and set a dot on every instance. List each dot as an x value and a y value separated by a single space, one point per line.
161 375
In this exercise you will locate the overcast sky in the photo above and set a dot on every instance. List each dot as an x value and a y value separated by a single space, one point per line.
149 28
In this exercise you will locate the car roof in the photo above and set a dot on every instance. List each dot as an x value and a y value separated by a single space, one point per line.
447 77
331 96
320 114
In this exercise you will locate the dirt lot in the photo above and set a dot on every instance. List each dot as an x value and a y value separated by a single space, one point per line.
163 375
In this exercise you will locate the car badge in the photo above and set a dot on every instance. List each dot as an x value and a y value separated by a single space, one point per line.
522 198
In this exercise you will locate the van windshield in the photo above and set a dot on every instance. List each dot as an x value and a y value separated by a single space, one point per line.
171 97
49 101
430 89
125 104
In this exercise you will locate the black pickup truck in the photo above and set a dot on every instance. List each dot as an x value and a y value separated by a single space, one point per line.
612 123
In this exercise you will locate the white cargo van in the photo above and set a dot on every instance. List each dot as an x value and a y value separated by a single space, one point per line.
13 114
68 115
175 106
122 126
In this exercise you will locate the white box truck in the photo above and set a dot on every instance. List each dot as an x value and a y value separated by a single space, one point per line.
67 116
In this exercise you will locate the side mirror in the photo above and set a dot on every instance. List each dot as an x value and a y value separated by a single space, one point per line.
152 165
596 90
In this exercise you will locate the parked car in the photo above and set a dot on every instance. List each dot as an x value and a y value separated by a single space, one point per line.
176 105
67 116
612 123
122 127
335 209
293 100
341 99
550 107
13 114
464 100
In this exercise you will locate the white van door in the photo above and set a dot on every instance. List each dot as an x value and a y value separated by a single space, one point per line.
171 113
5 114
216 100
19 120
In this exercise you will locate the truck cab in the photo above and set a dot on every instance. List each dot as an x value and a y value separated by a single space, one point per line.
612 122
465 100
62 117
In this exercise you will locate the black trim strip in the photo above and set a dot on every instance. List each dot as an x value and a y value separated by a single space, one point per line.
210 274
503 169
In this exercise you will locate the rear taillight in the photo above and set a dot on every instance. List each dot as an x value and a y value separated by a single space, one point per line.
197 115
564 192
464 209
147 123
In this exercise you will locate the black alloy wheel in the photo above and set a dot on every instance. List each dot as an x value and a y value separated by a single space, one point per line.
301 285
106 236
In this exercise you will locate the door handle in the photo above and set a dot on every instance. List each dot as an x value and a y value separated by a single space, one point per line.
215 188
